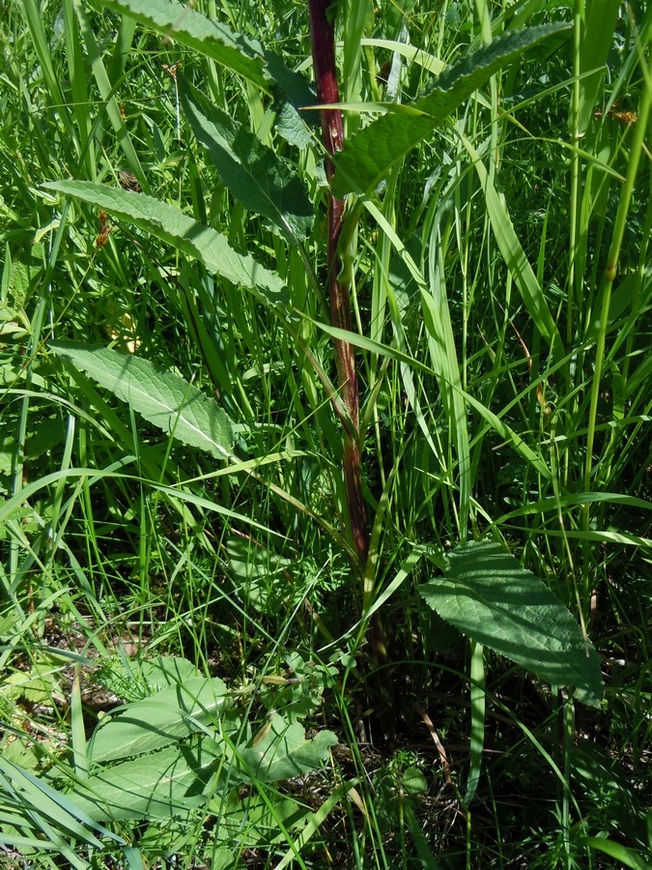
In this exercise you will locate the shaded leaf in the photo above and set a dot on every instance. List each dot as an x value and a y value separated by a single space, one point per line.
292 97
367 157
486 594
255 175
162 397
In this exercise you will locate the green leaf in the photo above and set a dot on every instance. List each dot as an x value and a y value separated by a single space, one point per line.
207 36
625 856
486 594
156 786
255 175
283 752
187 235
46 806
292 97
598 29
515 257
267 818
367 157
162 397
174 712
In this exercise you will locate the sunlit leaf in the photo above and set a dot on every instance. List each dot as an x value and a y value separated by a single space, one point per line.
187 235
162 397
367 157
487 595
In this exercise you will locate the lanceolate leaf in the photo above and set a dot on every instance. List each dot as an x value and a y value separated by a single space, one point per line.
162 397
366 157
254 174
488 596
190 28
192 238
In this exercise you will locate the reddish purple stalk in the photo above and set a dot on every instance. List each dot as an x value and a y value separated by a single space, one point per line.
323 56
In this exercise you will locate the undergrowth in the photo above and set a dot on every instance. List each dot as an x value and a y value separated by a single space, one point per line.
259 611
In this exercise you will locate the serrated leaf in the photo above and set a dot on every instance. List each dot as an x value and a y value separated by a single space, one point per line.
187 235
284 751
156 786
255 175
207 36
153 723
488 596
162 397
367 156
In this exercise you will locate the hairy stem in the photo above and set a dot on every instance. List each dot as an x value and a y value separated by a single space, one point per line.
323 55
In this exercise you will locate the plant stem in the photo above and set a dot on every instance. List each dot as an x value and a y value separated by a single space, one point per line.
323 55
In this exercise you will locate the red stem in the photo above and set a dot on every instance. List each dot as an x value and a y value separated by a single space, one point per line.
323 56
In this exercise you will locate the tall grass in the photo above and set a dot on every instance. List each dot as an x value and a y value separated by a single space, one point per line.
500 293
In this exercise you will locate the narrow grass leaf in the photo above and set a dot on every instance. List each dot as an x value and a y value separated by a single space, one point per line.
187 235
599 25
43 802
207 36
515 258
108 96
367 157
178 408
155 722
625 856
255 175
487 595
478 722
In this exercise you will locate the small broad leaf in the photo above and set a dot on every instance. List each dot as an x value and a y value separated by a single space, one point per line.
174 712
486 594
187 235
282 751
292 97
255 175
367 156
162 397
207 36
162 785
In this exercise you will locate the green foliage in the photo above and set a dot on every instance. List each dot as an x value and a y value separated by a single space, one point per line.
173 504
487 595
163 398
188 236
256 177
368 157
